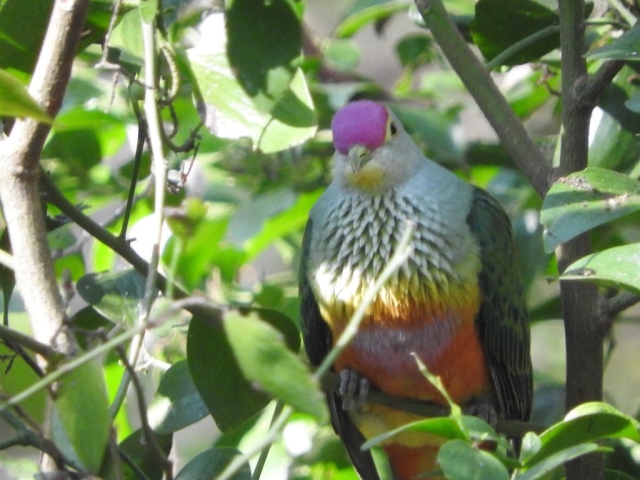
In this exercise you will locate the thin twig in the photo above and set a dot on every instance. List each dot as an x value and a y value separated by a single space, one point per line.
600 80
13 336
142 136
107 37
187 303
27 437
147 432
122 248
262 459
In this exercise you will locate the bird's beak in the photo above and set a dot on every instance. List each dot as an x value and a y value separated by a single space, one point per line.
358 155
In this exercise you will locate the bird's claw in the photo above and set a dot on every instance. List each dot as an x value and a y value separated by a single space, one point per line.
482 409
353 390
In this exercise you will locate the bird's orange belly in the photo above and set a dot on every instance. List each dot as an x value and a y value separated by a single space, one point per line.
384 355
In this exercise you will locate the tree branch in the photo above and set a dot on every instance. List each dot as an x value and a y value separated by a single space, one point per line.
19 182
514 428
515 139
599 81
15 337
615 305
118 245
583 329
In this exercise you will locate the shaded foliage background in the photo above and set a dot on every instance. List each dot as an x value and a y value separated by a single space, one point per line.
246 94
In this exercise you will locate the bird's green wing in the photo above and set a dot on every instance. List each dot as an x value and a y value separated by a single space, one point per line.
315 331
502 322
317 341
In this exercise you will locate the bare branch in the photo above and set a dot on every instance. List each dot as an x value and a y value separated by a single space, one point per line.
513 428
19 182
517 142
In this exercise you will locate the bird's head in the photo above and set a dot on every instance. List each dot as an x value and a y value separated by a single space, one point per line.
373 151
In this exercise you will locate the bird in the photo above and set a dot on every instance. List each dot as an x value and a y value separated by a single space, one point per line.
457 302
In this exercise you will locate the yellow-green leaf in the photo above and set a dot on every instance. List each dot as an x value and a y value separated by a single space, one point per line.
15 101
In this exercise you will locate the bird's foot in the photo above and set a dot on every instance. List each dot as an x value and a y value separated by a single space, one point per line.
483 409
353 390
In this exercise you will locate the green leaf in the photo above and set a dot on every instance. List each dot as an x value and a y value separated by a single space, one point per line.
109 133
116 295
617 475
542 468
431 129
209 464
613 146
264 73
248 219
415 50
148 10
584 200
282 224
626 47
15 101
633 103
616 267
230 398
20 377
228 112
127 38
498 25
587 423
461 461
530 446
22 27
85 322
341 54
184 219
184 405
137 449
7 277
267 363
445 427
353 23
272 107
82 407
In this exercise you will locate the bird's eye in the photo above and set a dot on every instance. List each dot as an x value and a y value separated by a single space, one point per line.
393 129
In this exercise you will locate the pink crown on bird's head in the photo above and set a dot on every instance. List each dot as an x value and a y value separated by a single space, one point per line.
359 123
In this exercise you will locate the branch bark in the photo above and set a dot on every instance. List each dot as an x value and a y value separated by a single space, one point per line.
20 186
583 330
476 78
